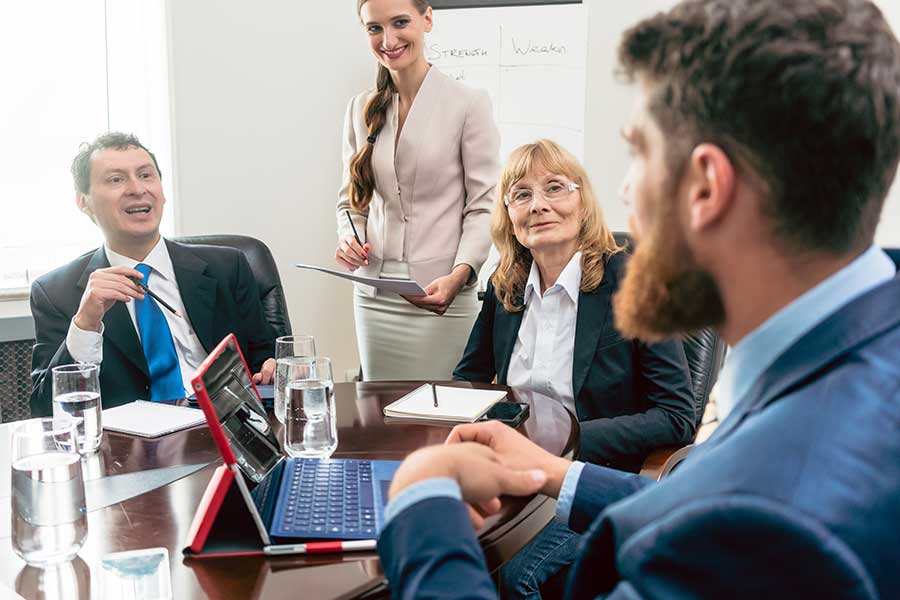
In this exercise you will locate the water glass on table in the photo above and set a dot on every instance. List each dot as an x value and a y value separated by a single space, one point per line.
49 519
288 350
76 392
310 427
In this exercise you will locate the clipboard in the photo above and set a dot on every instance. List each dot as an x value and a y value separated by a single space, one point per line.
404 287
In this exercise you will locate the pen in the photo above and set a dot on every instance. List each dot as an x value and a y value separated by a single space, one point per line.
320 547
353 227
434 393
157 298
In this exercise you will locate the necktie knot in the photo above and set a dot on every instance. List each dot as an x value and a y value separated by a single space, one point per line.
143 270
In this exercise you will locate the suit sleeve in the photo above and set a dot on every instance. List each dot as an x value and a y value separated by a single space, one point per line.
480 153
669 421
477 362
348 151
738 547
597 488
259 334
428 557
50 327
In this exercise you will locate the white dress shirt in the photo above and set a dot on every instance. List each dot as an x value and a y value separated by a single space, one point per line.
87 346
542 358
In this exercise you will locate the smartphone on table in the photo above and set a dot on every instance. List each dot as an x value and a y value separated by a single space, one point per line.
510 413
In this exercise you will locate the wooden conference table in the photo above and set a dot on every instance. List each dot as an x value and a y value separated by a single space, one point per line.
162 516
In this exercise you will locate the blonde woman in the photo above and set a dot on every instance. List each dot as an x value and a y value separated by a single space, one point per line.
420 167
546 326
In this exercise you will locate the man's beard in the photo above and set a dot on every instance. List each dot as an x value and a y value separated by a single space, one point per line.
665 293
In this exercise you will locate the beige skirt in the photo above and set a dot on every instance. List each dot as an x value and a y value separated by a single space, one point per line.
400 341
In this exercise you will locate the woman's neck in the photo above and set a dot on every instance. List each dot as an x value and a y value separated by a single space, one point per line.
551 262
409 80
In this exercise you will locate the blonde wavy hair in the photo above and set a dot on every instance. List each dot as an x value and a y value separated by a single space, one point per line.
596 241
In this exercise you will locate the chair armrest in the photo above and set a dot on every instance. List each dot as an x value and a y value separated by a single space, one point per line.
662 461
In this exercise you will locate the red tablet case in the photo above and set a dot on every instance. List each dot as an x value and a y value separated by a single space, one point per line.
223 524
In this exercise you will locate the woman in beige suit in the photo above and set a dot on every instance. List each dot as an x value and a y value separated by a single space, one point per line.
421 161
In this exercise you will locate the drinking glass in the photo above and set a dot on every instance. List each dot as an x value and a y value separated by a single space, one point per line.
288 349
76 392
310 427
49 519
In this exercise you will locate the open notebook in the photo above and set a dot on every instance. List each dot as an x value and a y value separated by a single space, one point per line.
454 404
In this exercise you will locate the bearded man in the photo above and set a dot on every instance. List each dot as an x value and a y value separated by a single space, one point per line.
765 137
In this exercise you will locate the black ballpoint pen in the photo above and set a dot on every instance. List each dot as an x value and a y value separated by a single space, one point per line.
353 227
434 393
157 298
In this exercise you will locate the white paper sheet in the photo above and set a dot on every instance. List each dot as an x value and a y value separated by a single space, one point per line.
405 287
151 419
454 404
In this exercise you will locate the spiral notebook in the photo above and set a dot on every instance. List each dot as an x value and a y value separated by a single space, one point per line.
454 404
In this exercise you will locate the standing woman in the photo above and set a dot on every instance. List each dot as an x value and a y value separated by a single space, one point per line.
421 162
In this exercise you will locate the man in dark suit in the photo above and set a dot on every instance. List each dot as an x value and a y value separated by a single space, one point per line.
92 309
765 137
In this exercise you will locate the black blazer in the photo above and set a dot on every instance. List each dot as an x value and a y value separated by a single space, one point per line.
219 294
631 397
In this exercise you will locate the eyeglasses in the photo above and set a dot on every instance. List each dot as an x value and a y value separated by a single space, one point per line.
552 192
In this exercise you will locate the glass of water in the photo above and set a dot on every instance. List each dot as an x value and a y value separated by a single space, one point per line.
49 520
76 392
288 350
310 426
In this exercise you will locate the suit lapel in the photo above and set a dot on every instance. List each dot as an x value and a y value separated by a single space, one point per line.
118 327
415 129
506 329
863 319
198 292
590 325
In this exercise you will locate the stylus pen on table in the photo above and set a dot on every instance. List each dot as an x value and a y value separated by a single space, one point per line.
157 298
320 547
434 393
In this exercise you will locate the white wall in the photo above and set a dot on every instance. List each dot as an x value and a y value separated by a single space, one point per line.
259 91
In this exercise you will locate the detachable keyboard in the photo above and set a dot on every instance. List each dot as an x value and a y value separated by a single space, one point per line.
332 499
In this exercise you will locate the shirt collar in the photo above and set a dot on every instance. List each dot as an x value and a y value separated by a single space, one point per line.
750 357
569 280
158 259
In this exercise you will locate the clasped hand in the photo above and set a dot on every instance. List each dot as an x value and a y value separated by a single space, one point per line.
487 460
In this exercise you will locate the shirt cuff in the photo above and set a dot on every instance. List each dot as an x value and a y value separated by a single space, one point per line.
85 346
423 490
567 492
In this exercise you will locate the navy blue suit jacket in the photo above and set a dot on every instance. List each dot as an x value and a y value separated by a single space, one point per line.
630 397
220 296
795 495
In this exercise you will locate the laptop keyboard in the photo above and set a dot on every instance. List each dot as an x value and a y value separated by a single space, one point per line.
328 499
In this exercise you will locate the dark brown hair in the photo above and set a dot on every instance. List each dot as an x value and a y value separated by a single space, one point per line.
362 178
804 95
81 164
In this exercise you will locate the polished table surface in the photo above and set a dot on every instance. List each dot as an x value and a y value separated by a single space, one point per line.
161 517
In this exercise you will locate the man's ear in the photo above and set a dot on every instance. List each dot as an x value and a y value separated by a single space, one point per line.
81 200
710 179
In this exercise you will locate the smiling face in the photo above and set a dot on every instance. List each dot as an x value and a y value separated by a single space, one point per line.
552 217
125 197
396 30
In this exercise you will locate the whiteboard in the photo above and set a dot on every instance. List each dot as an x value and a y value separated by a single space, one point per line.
530 59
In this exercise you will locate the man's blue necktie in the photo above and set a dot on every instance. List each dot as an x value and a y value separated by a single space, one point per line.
159 348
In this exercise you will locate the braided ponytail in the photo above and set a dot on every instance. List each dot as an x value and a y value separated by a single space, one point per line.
362 177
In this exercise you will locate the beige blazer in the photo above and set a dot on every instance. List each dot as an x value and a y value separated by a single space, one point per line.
434 189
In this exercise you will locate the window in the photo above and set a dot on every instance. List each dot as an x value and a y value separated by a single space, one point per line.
72 71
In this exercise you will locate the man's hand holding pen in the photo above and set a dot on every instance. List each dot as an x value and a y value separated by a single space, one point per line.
104 288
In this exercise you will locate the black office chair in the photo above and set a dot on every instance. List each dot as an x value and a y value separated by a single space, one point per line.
271 293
